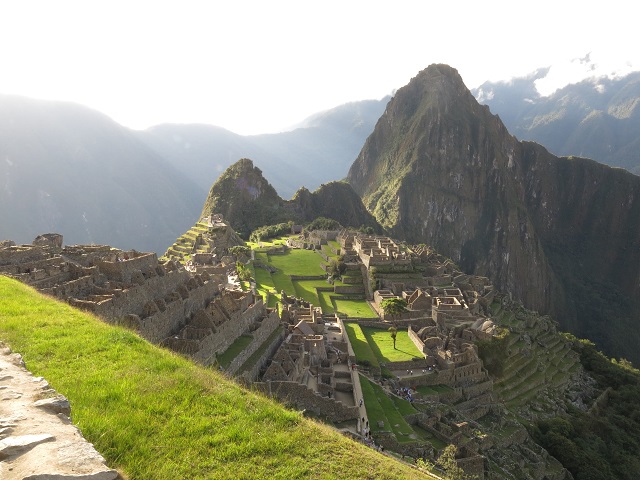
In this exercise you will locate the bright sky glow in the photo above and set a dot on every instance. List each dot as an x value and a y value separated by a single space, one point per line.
257 66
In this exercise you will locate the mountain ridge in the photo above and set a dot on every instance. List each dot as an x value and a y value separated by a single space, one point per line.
248 201
596 118
68 168
455 178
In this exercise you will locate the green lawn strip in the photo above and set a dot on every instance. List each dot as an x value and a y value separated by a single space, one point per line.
395 422
375 411
281 282
335 244
404 407
264 282
326 249
242 342
382 345
298 262
156 415
266 244
251 361
325 302
353 308
360 345
307 289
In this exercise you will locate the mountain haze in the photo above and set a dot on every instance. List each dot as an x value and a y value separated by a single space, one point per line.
318 150
68 169
597 118
561 234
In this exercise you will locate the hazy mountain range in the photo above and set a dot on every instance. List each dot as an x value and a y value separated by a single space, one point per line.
69 169
597 118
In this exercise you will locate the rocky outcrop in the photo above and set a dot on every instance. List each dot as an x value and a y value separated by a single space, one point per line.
561 234
37 438
247 201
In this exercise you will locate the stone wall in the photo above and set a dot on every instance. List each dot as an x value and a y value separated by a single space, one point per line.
267 326
416 340
303 397
122 270
228 332
350 289
308 277
251 374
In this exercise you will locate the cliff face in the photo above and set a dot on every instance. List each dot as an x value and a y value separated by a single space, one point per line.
247 201
441 169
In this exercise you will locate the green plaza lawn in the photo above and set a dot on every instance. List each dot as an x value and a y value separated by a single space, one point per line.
375 345
299 262
382 408
382 345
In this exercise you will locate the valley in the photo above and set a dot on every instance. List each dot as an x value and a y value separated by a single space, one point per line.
416 314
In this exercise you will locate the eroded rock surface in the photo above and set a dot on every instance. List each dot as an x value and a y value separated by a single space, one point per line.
37 438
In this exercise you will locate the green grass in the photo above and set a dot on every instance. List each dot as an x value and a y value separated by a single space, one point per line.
242 342
155 415
381 407
264 282
360 345
325 302
281 282
353 308
298 262
307 289
382 345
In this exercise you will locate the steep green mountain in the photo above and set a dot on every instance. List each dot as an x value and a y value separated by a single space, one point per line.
248 201
68 169
561 234
318 150
597 118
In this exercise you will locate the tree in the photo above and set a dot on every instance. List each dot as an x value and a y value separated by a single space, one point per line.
239 250
394 333
244 272
394 306
448 463
336 267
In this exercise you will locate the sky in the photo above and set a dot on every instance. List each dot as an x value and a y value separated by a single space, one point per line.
262 66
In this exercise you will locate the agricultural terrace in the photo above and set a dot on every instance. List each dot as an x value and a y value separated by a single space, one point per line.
271 281
386 414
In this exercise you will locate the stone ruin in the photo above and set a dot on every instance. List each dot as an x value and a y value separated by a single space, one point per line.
190 312
311 369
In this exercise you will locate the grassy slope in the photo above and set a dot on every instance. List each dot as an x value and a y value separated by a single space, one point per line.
155 415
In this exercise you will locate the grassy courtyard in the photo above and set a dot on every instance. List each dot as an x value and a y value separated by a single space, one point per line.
304 263
390 411
382 345
375 345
